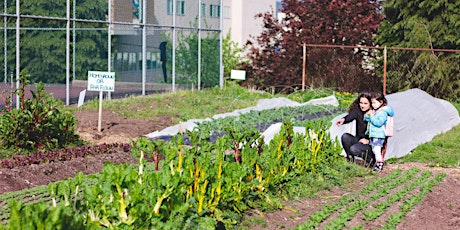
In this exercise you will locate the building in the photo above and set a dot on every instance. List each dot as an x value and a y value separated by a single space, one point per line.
127 31
239 18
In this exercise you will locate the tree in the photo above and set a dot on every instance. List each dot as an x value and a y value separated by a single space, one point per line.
43 43
231 55
422 24
187 58
276 54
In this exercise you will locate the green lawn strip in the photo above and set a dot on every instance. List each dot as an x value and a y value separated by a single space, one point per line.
395 218
328 209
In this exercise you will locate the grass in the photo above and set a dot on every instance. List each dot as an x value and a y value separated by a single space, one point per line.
185 105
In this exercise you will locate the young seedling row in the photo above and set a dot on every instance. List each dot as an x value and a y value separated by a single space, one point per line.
390 189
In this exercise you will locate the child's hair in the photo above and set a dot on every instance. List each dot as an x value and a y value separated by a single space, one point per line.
380 97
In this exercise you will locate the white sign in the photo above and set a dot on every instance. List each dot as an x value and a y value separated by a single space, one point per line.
238 74
81 98
101 81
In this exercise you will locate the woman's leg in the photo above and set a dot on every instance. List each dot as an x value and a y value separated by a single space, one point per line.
363 151
348 141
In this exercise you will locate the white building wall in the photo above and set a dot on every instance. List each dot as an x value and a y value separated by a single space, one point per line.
242 22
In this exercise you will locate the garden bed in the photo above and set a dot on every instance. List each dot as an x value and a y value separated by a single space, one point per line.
439 210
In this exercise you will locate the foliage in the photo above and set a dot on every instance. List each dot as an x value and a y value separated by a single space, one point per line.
262 119
38 122
197 187
422 24
231 55
276 55
373 200
187 53
66 154
43 49
187 58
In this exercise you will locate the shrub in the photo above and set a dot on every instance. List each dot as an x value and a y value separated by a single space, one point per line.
39 122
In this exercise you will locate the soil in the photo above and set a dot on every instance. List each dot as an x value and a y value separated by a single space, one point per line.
439 210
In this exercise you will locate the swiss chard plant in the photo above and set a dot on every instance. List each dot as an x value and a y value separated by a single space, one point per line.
203 185
39 122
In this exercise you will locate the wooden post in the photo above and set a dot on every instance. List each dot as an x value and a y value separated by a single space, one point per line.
385 71
304 66
99 119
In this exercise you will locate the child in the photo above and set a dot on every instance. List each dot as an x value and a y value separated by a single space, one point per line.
376 119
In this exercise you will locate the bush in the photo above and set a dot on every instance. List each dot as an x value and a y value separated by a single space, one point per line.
38 122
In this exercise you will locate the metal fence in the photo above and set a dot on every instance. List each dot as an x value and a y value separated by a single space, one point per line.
151 46
389 69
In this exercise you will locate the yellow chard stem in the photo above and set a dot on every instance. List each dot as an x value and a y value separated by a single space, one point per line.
219 172
279 148
179 165
197 178
160 199
171 167
202 196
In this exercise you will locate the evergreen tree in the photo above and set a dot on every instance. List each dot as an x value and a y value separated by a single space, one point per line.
422 24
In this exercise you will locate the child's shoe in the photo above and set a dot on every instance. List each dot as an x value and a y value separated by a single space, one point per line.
378 167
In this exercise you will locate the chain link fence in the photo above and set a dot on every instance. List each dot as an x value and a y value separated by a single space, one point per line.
152 46
386 69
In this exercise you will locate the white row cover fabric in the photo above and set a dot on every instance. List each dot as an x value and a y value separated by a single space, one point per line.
263 104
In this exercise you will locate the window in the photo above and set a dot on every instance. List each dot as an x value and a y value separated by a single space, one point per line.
227 13
203 10
180 7
169 6
214 11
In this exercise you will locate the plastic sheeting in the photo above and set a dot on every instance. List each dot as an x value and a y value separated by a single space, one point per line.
418 118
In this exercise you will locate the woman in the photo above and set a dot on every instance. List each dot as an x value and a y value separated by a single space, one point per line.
358 146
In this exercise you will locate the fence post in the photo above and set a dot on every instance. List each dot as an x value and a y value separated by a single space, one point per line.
385 71
18 48
304 62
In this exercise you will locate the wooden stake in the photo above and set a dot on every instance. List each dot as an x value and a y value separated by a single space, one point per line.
385 71
304 65
100 112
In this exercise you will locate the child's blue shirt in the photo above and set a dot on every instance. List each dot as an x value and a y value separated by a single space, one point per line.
376 122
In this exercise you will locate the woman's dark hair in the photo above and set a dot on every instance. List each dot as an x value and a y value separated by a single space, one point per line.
380 97
355 104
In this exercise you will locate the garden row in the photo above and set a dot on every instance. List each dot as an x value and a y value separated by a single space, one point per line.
261 120
202 185
401 189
